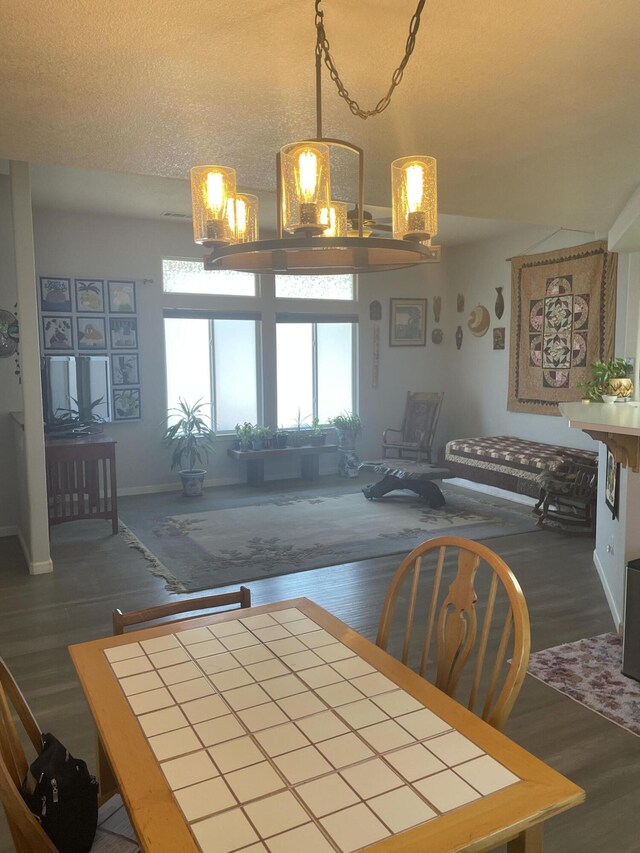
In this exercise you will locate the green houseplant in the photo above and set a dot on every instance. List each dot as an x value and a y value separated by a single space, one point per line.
191 441
608 377
318 435
297 437
349 427
244 434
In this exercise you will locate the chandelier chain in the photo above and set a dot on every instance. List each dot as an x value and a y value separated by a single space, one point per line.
323 51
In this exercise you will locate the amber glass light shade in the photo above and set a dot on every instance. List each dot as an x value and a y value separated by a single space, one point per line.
335 218
306 187
414 192
213 193
246 218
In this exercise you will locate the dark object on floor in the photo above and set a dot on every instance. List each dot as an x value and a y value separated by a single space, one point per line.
406 474
415 437
568 496
309 460
204 603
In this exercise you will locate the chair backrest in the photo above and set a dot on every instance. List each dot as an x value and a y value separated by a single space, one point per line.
475 609
28 836
226 600
421 415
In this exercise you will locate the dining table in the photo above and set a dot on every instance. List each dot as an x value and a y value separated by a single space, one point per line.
280 729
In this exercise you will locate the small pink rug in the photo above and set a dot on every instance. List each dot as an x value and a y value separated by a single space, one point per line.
589 672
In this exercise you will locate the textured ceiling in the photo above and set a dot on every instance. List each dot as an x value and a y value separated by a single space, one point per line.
532 108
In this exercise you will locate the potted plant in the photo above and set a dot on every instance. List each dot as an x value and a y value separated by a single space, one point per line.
243 435
297 438
608 378
348 426
281 438
192 441
318 435
79 420
258 435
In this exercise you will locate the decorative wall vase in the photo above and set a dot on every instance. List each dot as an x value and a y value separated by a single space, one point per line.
459 335
479 321
460 303
375 310
436 336
437 305
499 307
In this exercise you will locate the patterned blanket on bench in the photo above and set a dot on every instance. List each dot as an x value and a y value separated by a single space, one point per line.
507 462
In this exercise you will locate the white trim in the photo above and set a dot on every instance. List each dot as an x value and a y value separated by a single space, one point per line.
9 530
44 567
491 490
176 487
617 617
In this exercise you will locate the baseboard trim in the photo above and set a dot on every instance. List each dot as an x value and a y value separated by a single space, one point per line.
42 567
491 490
8 530
617 616
174 487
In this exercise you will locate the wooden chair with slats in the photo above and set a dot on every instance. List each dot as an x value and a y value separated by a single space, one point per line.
464 595
28 836
225 601
415 436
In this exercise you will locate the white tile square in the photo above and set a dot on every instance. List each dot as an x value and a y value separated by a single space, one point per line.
252 654
218 730
353 667
307 838
239 641
205 648
276 814
140 683
230 678
354 828
336 651
189 769
205 798
386 736
254 781
371 778
453 748
302 626
373 684
159 644
301 765
344 750
172 744
486 774
246 697
224 832
322 726
218 663
267 669
301 705
193 635
273 632
165 720
446 790
169 657
291 614
225 629
302 660
415 762
262 620
341 693
397 702
130 650
286 647
193 689
362 713
205 708
153 700
132 666
281 739
262 716
320 676
285 685
235 754
180 672
327 795
401 809
423 724
317 639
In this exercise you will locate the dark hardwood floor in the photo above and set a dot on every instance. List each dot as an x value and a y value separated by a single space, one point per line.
95 572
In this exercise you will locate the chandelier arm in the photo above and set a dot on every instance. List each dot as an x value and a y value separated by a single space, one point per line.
323 50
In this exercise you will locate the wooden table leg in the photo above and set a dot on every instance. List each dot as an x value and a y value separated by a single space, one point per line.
106 778
310 467
529 841
255 472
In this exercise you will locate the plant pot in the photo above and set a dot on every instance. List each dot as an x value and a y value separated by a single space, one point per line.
267 443
281 439
319 440
236 444
257 444
192 483
346 439
621 387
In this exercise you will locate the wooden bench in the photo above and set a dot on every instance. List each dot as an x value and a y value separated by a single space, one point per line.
309 460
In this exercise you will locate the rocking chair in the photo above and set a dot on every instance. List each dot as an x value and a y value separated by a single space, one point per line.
415 437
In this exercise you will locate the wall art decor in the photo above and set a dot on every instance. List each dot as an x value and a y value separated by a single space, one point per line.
479 321
122 297
408 323
89 295
436 336
124 369
8 333
499 337
460 303
459 336
612 484
375 310
562 320
91 333
55 295
124 332
126 404
375 374
57 333
499 306
437 307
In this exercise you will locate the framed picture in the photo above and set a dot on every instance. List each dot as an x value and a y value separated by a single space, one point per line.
57 333
122 297
124 369
89 295
55 295
408 323
92 333
612 484
498 337
124 333
126 404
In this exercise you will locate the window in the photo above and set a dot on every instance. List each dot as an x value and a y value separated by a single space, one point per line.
315 369
187 275
315 287
213 359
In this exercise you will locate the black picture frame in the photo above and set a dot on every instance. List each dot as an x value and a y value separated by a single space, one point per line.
89 295
91 333
126 404
123 332
612 484
408 323
55 295
122 297
57 333
125 369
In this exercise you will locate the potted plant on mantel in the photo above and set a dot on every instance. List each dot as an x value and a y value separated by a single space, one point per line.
608 379
192 442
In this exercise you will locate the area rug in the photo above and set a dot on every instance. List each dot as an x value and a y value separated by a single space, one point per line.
589 672
263 535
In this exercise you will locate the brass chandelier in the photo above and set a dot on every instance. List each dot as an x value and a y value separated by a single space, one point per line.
315 235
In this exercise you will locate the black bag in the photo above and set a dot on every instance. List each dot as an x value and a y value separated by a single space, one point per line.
63 796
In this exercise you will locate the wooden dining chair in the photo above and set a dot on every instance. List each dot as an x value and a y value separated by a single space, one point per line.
465 596
28 836
225 600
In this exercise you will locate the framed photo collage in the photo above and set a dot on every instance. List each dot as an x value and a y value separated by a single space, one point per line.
90 315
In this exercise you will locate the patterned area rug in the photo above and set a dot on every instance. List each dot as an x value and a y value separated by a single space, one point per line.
217 540
589 672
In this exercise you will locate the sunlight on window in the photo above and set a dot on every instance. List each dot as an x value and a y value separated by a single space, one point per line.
295 372
187 359
335 371
315 287
184 275
235 372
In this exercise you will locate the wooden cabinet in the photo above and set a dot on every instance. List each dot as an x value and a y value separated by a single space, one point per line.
81 479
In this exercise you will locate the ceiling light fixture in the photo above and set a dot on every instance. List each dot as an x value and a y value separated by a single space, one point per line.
316 234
